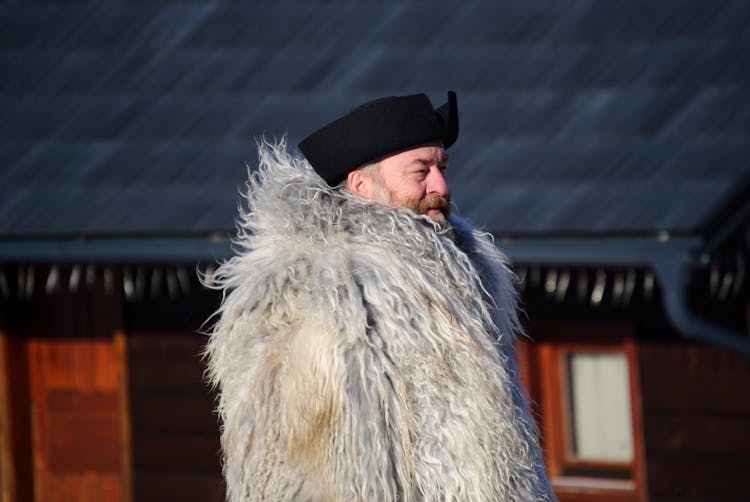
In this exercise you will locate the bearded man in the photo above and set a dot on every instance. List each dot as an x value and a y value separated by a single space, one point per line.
364 346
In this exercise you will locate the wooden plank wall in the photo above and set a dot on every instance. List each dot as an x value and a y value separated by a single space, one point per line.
66 382
16 471
175 434
696 406
77 420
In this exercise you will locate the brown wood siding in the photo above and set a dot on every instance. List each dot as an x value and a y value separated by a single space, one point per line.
76 420
65 378
696 406
175 434
17 458
79 419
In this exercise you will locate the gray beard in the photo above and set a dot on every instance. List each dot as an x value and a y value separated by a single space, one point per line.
441 223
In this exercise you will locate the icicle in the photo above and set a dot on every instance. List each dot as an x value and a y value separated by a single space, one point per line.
726 285
597 294
128 287
550 284
52 279
74 279
618 289
562 285
713 282
648 285
630 280
29 293
156 274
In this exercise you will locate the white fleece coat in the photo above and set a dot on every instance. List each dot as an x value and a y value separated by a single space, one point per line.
361 355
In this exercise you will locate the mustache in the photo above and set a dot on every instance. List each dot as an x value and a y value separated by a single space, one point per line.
443 203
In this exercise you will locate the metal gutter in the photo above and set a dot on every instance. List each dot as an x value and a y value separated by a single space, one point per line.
672 260
597 251
674 275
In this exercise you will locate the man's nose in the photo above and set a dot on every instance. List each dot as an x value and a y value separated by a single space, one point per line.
436 182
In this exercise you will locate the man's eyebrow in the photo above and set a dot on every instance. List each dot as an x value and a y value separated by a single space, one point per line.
429 160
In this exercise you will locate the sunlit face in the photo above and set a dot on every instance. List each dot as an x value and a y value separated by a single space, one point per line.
414 179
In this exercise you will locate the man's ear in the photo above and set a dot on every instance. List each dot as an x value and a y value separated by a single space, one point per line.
359 183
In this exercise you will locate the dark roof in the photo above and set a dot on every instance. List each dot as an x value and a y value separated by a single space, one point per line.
137 119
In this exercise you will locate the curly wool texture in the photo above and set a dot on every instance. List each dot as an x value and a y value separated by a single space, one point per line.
361 355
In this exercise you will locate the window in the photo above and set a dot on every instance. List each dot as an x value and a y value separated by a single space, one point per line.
581 378
598 402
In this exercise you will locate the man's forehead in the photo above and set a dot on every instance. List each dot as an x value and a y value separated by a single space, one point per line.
429 151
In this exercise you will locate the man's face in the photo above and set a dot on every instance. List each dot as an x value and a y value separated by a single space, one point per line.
415 179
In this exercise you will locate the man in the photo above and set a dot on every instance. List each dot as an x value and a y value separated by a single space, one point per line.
364 346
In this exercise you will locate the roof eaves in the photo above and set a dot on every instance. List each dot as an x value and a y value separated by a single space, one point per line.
597 251
130 249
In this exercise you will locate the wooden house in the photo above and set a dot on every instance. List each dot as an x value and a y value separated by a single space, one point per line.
605 145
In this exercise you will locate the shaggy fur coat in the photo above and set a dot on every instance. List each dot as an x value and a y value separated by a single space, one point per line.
362 355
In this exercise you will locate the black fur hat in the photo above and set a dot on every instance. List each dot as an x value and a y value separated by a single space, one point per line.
378 128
